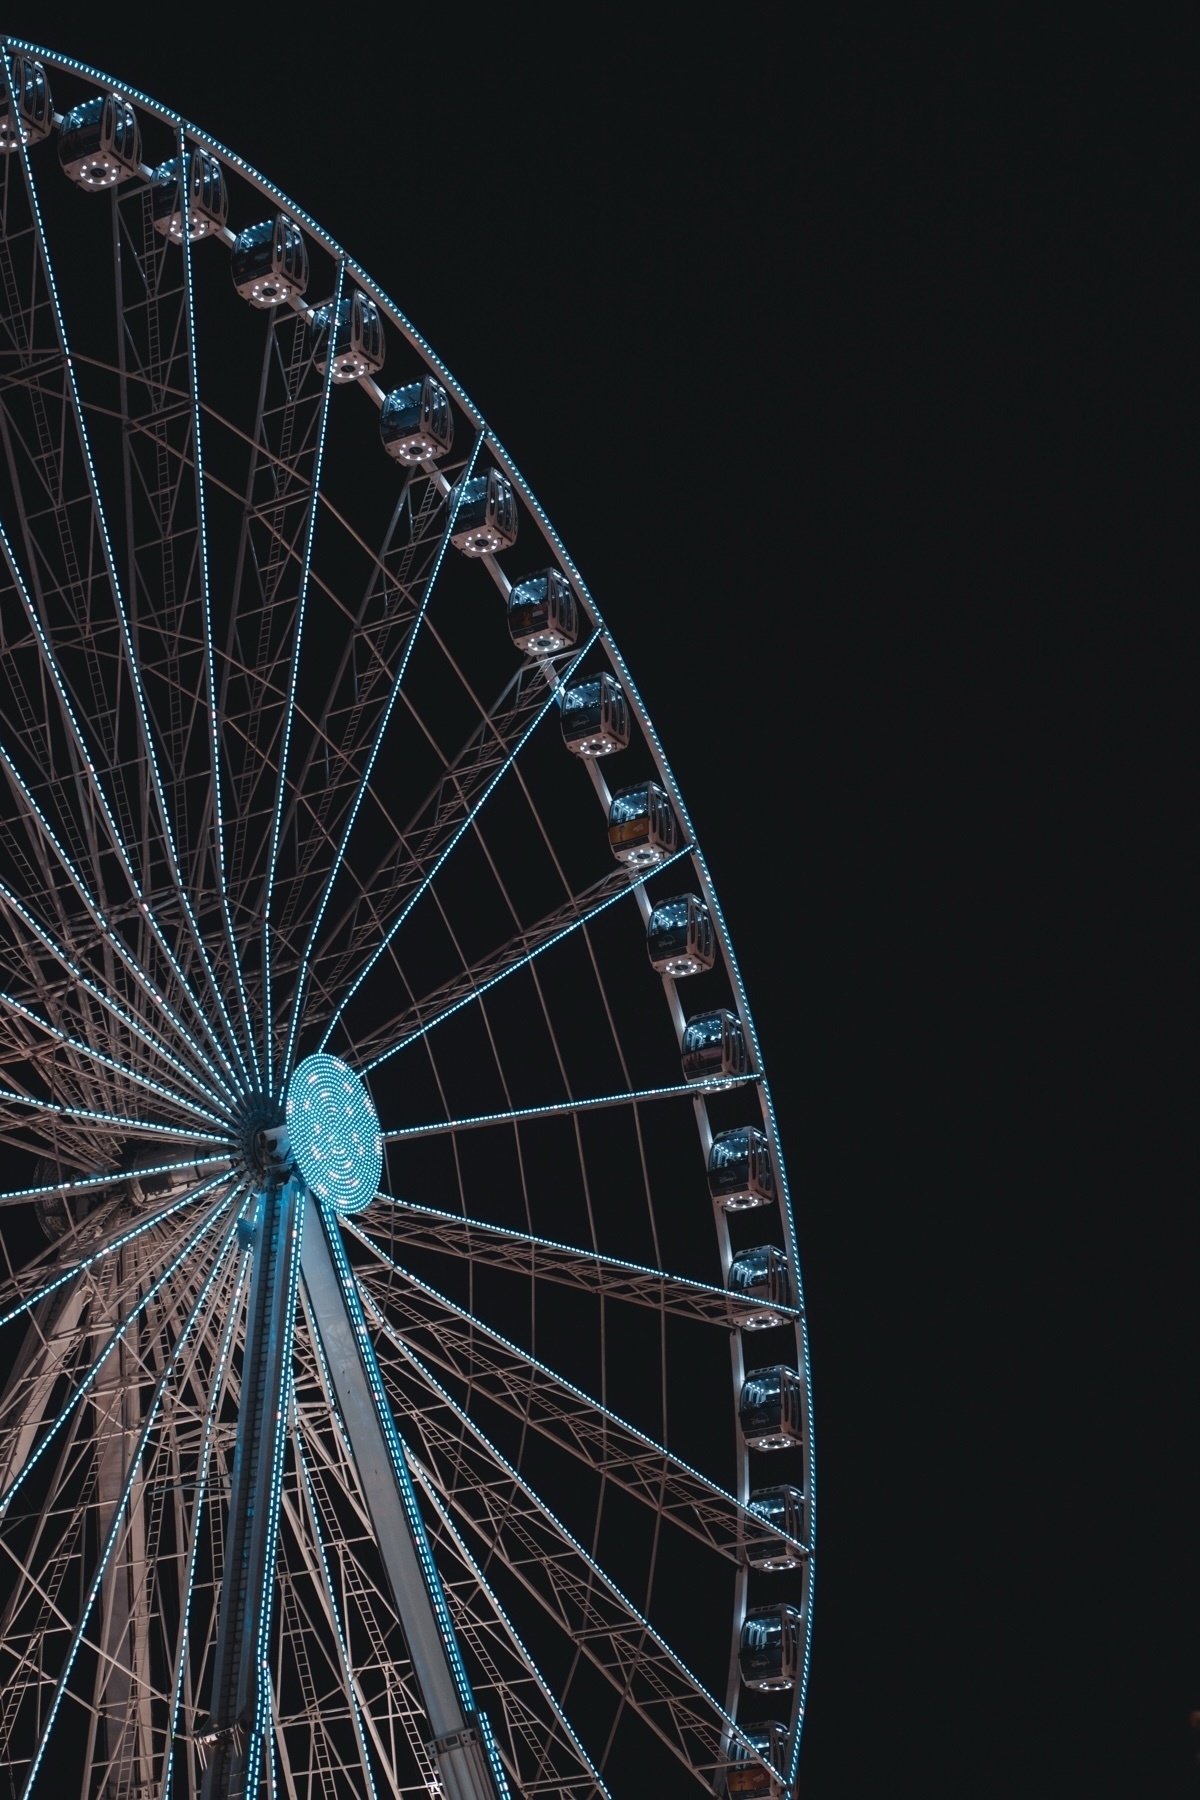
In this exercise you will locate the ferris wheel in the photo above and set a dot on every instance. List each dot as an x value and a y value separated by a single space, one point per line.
405 1376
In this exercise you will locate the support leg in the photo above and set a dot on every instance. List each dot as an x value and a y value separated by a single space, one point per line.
239 1724
461 1746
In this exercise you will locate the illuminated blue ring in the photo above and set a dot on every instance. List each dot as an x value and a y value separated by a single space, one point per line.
334 1133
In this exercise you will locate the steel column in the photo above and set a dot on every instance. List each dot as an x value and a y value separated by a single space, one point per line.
459 1731
239 1720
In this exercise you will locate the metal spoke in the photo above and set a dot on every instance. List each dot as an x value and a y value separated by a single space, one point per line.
522 1385
277 513
449 1234
19 1010
85 762
546 1743
289 710
210 663
364 782
108 1248
114 1531
517 1527
452 820
348 723
125 637
89 1183
98 993
559 1108
88 1380
332 1609
126 1127
516 955
111 938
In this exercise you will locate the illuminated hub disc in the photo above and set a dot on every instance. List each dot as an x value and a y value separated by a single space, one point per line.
334 1133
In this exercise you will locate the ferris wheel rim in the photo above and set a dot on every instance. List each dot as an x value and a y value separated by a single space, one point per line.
486 436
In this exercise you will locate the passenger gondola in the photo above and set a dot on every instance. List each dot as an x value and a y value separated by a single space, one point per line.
771 1409
416 424
269 262
207 197
757 1776
714 1047
776 1516
33 117
760 1275
99 143
542 615
770 1648
358 346
595 716
486 519
679 937
641 826
740 1172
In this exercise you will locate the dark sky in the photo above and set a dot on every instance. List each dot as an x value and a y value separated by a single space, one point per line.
842 367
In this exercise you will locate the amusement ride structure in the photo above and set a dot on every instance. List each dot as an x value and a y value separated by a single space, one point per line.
405 1377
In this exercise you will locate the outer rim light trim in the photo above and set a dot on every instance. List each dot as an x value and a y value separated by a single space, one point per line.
334 1133
235 163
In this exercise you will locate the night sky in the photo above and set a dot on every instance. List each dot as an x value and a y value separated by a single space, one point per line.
842 368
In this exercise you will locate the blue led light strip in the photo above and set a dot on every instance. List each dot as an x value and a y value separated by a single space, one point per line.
117 1337
88 1183
482 1329
366 775
399 1461
99 994
289 710
510 759
215 1395
115 1528
471 1428
127 642
331 1602
51 663
127 1127
262 1710
435 1500
523 962
110 936
559 1108
214 738
492 1752
118 1243
573 1250
98 1056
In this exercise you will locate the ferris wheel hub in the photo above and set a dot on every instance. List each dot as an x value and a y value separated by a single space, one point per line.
334 1133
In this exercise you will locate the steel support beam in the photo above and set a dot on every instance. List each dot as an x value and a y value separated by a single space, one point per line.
240 1711
460 1745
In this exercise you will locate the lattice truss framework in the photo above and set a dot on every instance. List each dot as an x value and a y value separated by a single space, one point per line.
276 781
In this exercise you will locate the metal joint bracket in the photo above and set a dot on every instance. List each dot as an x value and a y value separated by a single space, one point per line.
462 1764
215 1737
